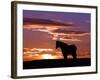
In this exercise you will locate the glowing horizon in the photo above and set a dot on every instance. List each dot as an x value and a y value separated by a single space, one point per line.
40 54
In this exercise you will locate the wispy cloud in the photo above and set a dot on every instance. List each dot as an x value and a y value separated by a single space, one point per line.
72 33
57 32
63 39
32 26
56 29
41 53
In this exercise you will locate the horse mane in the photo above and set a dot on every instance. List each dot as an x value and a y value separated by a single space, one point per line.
73 46
61 43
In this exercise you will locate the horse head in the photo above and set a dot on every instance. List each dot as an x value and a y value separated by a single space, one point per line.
57 44
61 44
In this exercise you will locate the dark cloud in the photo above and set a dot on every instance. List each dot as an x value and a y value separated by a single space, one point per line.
70 32
47 22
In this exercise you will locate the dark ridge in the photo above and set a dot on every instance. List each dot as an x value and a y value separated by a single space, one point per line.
54 63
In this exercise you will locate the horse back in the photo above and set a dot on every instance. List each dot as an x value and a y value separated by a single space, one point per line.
72 47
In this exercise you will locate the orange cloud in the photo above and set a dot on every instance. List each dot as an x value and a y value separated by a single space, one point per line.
61 33
69 39
72 33
40 53
32 26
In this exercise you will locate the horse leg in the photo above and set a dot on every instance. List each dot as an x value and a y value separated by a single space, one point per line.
74 55
65 56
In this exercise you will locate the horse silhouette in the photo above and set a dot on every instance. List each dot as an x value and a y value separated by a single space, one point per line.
67 49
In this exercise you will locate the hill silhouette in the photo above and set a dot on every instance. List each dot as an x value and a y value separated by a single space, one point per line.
53 63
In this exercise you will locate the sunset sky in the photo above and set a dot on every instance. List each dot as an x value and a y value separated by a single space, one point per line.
41 29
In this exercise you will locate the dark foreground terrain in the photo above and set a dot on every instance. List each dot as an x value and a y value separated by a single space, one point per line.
53 63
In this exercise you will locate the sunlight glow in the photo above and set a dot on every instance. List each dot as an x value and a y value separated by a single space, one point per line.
48 53
47 56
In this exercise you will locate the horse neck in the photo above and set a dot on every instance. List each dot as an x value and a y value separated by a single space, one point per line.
63 46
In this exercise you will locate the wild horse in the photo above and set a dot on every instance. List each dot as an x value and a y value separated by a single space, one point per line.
67 49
